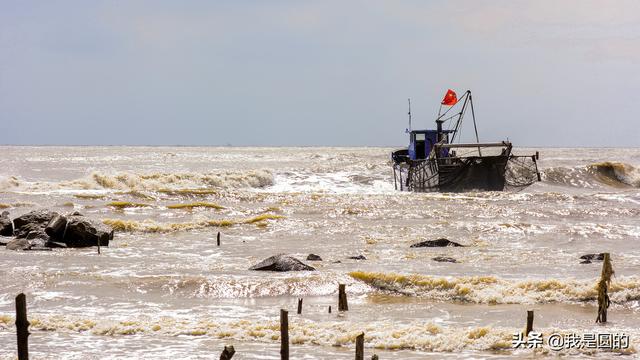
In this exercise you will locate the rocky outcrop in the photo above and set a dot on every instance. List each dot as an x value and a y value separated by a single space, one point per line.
32 224
436 243
83 232
281 262
6 225
46 229
314 257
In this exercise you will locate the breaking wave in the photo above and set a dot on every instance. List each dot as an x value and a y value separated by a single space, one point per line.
614 174
416 335
162 181
492 290
184 184
151 226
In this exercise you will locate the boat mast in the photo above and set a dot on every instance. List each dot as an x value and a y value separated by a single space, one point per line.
473 115
409 99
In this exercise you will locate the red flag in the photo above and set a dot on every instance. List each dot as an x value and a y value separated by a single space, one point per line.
450 98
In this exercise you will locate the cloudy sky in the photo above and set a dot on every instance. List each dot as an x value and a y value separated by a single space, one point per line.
543 73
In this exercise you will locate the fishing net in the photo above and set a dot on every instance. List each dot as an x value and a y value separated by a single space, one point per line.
521 171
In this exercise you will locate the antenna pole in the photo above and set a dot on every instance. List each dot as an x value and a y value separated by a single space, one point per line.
409 99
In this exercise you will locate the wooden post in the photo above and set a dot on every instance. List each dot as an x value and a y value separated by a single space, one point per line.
360 347
529 322
218 238
329 309
300 306
342 298
98 246
284 334
227 353
22 325
603 289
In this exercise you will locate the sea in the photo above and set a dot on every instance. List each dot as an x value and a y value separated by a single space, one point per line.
164 289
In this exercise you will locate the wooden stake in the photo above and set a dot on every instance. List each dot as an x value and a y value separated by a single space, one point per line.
360 347
218 238
98 246
22 325
300 306
284 334
529 323
227 353
342 298
603 289
329 309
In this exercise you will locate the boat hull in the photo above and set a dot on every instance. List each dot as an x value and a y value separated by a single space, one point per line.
483 173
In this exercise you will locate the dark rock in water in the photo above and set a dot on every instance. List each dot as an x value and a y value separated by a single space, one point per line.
41 217
18 244
49 229
281 262
337 262
6 225
585 262
314 257
359 257
83 232
444 259
436 243
32 224
30 231
55 228
593 257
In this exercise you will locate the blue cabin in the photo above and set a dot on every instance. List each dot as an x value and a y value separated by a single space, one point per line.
421 143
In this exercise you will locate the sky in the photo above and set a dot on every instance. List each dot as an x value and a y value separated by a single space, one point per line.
316 73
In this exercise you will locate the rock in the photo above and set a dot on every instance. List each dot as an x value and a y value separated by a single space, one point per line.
18 244
41 217
30 231
4 241
592 257
314 257
359 257
585 262
55 228
436 243
444 259
281 262
44 228
83 232
33 222
6 225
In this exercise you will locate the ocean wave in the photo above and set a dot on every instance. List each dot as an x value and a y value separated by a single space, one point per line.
8 182
492 290
614 174
164 181
387 335
179 183
152 226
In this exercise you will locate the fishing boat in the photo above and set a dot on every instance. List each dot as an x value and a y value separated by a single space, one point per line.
435 160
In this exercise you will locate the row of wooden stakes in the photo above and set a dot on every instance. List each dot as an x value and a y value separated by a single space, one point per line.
22 324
